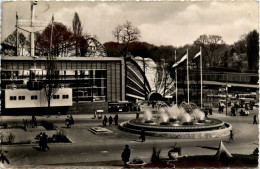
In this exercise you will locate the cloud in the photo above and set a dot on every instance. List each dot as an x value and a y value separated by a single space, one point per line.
160 23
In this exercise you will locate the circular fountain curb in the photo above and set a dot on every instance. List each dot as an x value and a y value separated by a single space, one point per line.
182 135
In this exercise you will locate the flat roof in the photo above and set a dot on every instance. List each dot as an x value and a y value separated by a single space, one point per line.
26 58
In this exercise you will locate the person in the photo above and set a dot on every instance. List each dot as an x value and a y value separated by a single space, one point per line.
142 135
137 114
231 136
41 141
254 122
206 112
33 121
233 111
25 124
116 119
71 120
126 154
44 141
67 122
3 157
210 110
110 120
105 121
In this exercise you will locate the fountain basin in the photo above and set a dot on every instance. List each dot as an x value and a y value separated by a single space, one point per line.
211 128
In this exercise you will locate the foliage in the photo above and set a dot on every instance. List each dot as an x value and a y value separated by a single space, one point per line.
77 32
60 137
47 125
62 40
252 40
9 45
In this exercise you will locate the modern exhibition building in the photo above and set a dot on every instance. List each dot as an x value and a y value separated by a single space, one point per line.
95 82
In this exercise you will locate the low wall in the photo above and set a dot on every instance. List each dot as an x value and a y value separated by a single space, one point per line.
88 107
184 135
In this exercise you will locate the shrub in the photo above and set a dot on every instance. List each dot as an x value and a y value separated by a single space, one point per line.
47 125
60 137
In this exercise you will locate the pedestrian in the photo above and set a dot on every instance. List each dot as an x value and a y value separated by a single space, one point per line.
33 120
41 141
233 111
231 136
254 122
137 114
3 157
71 120
44 141
142 135
110 120
210 110
206 112
67 122
116 119
125 154
105 121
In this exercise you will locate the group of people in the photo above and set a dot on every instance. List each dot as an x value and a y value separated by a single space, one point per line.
69 121
43 139
110 120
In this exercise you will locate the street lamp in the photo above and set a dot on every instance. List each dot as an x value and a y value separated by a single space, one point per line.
226 97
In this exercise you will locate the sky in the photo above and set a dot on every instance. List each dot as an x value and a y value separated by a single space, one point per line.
160 23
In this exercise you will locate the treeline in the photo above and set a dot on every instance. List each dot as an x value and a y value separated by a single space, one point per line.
242 56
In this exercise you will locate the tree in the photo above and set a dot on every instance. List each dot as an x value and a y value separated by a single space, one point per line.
125 34
9 45
77 33
253 49
210 44
62 40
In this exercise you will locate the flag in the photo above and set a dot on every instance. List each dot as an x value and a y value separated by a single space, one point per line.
180 61
196 56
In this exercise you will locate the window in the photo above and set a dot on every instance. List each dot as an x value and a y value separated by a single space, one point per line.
56 96
65 96
21 98
12 97
34 97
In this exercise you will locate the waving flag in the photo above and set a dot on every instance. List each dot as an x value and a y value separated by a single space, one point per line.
180 61
196 56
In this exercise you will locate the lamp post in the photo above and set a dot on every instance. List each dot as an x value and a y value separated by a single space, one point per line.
226 97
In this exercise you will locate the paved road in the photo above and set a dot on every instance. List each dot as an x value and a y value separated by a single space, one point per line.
90 149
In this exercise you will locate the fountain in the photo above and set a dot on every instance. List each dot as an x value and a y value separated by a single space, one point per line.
178 122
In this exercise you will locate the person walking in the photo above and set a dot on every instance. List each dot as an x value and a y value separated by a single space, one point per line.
105 121
142 135
255 121
110 120
41 141
3 157
44 141
116 119
126 154
67 122
231 136
71 120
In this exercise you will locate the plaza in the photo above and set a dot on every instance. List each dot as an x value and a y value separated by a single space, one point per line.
87 149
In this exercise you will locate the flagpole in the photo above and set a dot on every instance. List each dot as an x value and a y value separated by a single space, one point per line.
188 88
176 88
201 87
